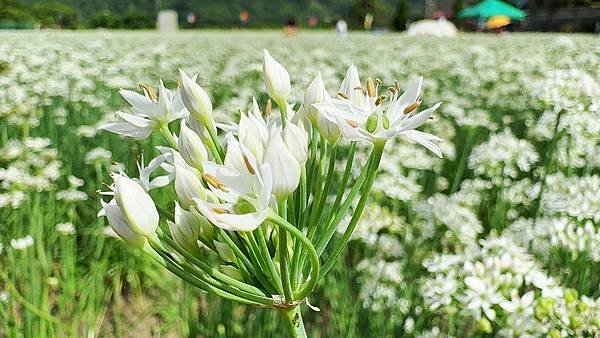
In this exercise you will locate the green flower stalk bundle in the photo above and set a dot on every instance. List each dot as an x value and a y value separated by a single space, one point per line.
258 206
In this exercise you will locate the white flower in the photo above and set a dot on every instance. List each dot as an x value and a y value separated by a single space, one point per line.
351 86
296 141
119 224
136 205
188 185
480 296
277 79
195 99
243 185
315 93
520 305
148 113
253 132
149 183
65 228
191 147
285 168
186 228
21 243
371 119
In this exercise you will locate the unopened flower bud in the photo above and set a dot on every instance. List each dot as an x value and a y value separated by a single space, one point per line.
285 168
277 79
137 206
296 140
315 93
187 182
196 99
191 147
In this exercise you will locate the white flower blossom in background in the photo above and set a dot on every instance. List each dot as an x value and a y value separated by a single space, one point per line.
503 155
65 228
21 243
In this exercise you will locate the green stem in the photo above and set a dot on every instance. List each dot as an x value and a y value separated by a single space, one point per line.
460 170
218 275
166 133
272 270
341 244
283 256
317 213
322 242
314 258
293 321
218 152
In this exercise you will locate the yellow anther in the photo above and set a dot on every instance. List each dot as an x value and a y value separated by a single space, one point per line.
268 107
380 100
412 107
214 182
371 88
352 123
248 165
221 211
148 91
342 95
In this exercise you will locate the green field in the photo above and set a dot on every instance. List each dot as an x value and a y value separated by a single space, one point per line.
501 237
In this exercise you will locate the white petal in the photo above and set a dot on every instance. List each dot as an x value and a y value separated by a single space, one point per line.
136 204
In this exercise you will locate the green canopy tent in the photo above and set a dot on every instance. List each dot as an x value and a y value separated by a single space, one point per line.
488 8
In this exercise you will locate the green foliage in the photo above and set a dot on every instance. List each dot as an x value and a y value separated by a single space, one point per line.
401 17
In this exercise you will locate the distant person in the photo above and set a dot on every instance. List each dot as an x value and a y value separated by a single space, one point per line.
291 27
341 27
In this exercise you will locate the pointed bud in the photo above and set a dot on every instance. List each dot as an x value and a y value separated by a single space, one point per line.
232 272
191 147
225 252
277 79
137 206
119 224
296 140
315 93
188 243
351 86
329 130
187 182
195 99
284 166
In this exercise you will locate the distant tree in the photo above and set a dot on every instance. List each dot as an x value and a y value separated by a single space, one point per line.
104 19
359 10
55 14
457 6
137 20
401 17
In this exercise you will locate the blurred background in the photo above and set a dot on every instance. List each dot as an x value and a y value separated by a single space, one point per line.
378 15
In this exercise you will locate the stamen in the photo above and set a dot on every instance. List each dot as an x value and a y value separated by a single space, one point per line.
248 166
352 124
214 182
380 100
221 211
378 82
148 91
268 107
342 95
371 88
412 107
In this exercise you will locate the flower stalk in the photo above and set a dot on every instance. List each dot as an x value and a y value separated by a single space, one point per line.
253 219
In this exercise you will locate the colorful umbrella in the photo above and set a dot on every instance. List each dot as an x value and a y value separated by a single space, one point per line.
489 8
497 21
